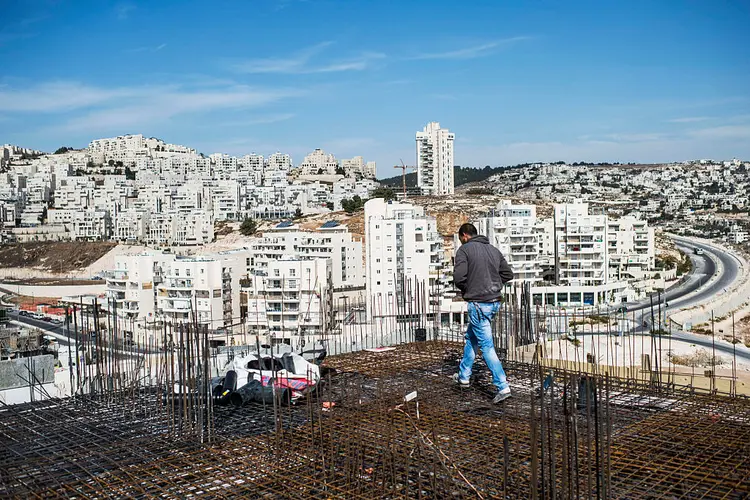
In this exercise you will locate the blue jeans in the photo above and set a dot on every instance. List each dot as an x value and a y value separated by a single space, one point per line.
479 335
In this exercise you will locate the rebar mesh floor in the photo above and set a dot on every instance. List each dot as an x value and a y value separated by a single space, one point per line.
359 438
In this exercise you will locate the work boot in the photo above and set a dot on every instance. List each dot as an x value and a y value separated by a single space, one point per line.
501 395
461 383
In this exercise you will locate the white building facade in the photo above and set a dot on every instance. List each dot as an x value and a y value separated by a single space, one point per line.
435 160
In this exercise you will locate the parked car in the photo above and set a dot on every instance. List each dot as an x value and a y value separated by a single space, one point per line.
23 313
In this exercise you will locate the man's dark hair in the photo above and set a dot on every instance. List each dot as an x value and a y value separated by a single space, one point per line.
467 229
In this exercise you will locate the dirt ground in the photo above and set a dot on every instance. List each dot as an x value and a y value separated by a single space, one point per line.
59 257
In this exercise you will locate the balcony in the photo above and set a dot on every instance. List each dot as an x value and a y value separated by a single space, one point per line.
174 284
116 275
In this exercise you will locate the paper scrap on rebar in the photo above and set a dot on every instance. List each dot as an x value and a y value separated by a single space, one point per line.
380 349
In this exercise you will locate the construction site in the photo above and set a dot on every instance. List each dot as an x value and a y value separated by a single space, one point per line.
384 420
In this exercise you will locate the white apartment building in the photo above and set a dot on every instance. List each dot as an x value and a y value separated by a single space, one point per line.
435 160
295 298
581 238
131 225
125 148
318 163
403 246
347 188
279 161
737 234
630 247
511 229
357 168
332 241
132 284
202 288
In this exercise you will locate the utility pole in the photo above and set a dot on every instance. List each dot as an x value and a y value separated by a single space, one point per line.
403 174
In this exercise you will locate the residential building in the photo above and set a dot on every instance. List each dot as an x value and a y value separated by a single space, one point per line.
319 163
511 228
404 248
435 160
580 238
292 297
631 248
332 241
132 284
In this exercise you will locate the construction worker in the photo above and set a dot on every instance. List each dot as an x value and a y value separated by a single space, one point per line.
480 272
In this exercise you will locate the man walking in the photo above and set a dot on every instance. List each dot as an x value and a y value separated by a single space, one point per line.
480 272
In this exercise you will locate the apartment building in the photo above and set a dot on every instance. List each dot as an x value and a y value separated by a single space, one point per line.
357 168
512 229
332 241
631 248
318 163
403 247
131 226
279 161
132 284
580 238
294 298
435 160
347 188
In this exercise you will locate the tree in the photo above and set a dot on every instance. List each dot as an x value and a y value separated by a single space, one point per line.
351 206
248 227
340 171
129 174
298 213
62 150
329 205
111 163
320 171
383 192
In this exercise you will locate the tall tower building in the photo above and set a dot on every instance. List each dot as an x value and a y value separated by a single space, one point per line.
435 160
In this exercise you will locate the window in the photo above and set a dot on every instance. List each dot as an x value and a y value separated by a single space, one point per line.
276 272
202 270
176 272
187 272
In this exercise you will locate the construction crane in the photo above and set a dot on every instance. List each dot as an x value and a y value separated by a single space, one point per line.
403 174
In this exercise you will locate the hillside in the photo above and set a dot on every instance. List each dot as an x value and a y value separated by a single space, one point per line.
462 175
57 257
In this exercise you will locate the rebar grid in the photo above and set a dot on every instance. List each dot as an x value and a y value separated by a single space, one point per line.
583 437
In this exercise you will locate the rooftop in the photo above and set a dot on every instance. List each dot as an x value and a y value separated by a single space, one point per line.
357 437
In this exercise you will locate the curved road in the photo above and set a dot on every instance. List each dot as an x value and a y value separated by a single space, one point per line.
712 274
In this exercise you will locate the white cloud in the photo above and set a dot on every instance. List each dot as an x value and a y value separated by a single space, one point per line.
91 109
723 132
61 96
162 104
123 10
689 119
474 52
302 62
146 49
644 137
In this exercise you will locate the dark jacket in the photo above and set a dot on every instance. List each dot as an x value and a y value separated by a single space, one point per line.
480 271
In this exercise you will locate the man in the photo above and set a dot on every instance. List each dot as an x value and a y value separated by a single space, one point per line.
480 272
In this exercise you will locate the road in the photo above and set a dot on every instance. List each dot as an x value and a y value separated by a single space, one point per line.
698 288
60 333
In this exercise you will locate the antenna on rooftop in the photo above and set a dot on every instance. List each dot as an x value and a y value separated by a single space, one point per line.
403 174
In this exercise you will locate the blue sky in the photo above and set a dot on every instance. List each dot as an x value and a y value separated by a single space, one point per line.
516 81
